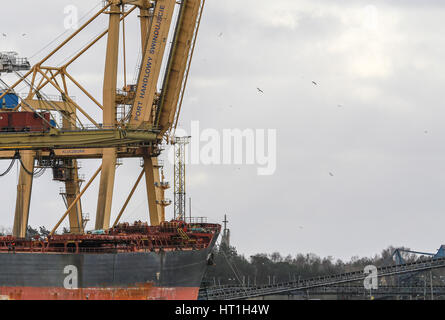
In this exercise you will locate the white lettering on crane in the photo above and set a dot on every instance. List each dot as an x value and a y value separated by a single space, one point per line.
149 63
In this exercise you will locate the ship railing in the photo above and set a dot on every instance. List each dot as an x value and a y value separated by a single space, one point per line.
25 128
51 97
100 127
142 244
88 127
196 220
177 247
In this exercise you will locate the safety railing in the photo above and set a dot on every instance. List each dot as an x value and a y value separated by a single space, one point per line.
196 220
50 97
84 128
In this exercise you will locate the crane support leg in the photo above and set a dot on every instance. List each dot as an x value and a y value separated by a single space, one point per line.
154 194
23 201
111 67
109 120
146 20
106 187
75 200
72 187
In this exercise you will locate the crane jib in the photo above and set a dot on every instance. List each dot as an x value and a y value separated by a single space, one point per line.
156 30
148 63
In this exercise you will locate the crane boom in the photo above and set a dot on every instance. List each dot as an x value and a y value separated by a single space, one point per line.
153 52
179 63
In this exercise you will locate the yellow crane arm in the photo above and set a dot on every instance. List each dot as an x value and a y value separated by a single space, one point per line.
179 63
153 52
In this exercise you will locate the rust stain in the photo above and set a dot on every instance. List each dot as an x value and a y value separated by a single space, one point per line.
139 292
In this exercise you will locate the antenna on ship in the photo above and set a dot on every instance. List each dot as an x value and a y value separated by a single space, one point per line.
190 209
226 233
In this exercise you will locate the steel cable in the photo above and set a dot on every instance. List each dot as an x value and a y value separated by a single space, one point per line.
66 31
37 173
9 168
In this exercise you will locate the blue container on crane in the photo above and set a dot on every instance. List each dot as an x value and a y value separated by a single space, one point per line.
9 101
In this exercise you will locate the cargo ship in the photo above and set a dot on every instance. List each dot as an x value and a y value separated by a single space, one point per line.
127 262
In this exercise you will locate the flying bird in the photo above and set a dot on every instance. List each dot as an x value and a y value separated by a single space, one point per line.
220 35
4 34
23 34
259 90
331 174
315 84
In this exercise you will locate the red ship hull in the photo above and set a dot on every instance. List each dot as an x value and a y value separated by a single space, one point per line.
138 262
146 292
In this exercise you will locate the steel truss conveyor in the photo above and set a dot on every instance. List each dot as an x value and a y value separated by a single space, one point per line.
242 292
382 291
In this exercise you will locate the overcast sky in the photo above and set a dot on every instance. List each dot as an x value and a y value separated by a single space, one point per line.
360 155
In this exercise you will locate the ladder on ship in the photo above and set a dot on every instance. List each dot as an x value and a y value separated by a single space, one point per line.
183 234
242 292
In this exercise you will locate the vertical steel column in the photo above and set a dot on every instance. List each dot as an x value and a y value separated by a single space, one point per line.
154 195
23 200
107 176
179 191
151 168
146 20
72 187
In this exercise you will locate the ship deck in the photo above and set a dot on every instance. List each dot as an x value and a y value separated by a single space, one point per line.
139 237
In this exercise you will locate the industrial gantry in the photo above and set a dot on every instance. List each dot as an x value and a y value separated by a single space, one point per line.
148 117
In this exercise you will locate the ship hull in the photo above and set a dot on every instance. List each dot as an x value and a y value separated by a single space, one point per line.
143 292
173 275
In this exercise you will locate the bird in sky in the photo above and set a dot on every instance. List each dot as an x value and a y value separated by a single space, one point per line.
4 34
23 34
220 35
331 174
259 90
315 84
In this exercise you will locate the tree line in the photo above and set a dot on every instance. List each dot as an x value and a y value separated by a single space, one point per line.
31 232
230 268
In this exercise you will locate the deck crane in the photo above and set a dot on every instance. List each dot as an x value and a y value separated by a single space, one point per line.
149 123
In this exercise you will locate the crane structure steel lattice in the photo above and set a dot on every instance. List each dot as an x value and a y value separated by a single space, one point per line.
180 144
136 120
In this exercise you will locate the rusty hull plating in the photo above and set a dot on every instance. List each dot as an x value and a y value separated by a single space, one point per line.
127 262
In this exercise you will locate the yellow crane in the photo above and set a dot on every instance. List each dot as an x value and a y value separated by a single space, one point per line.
150 121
